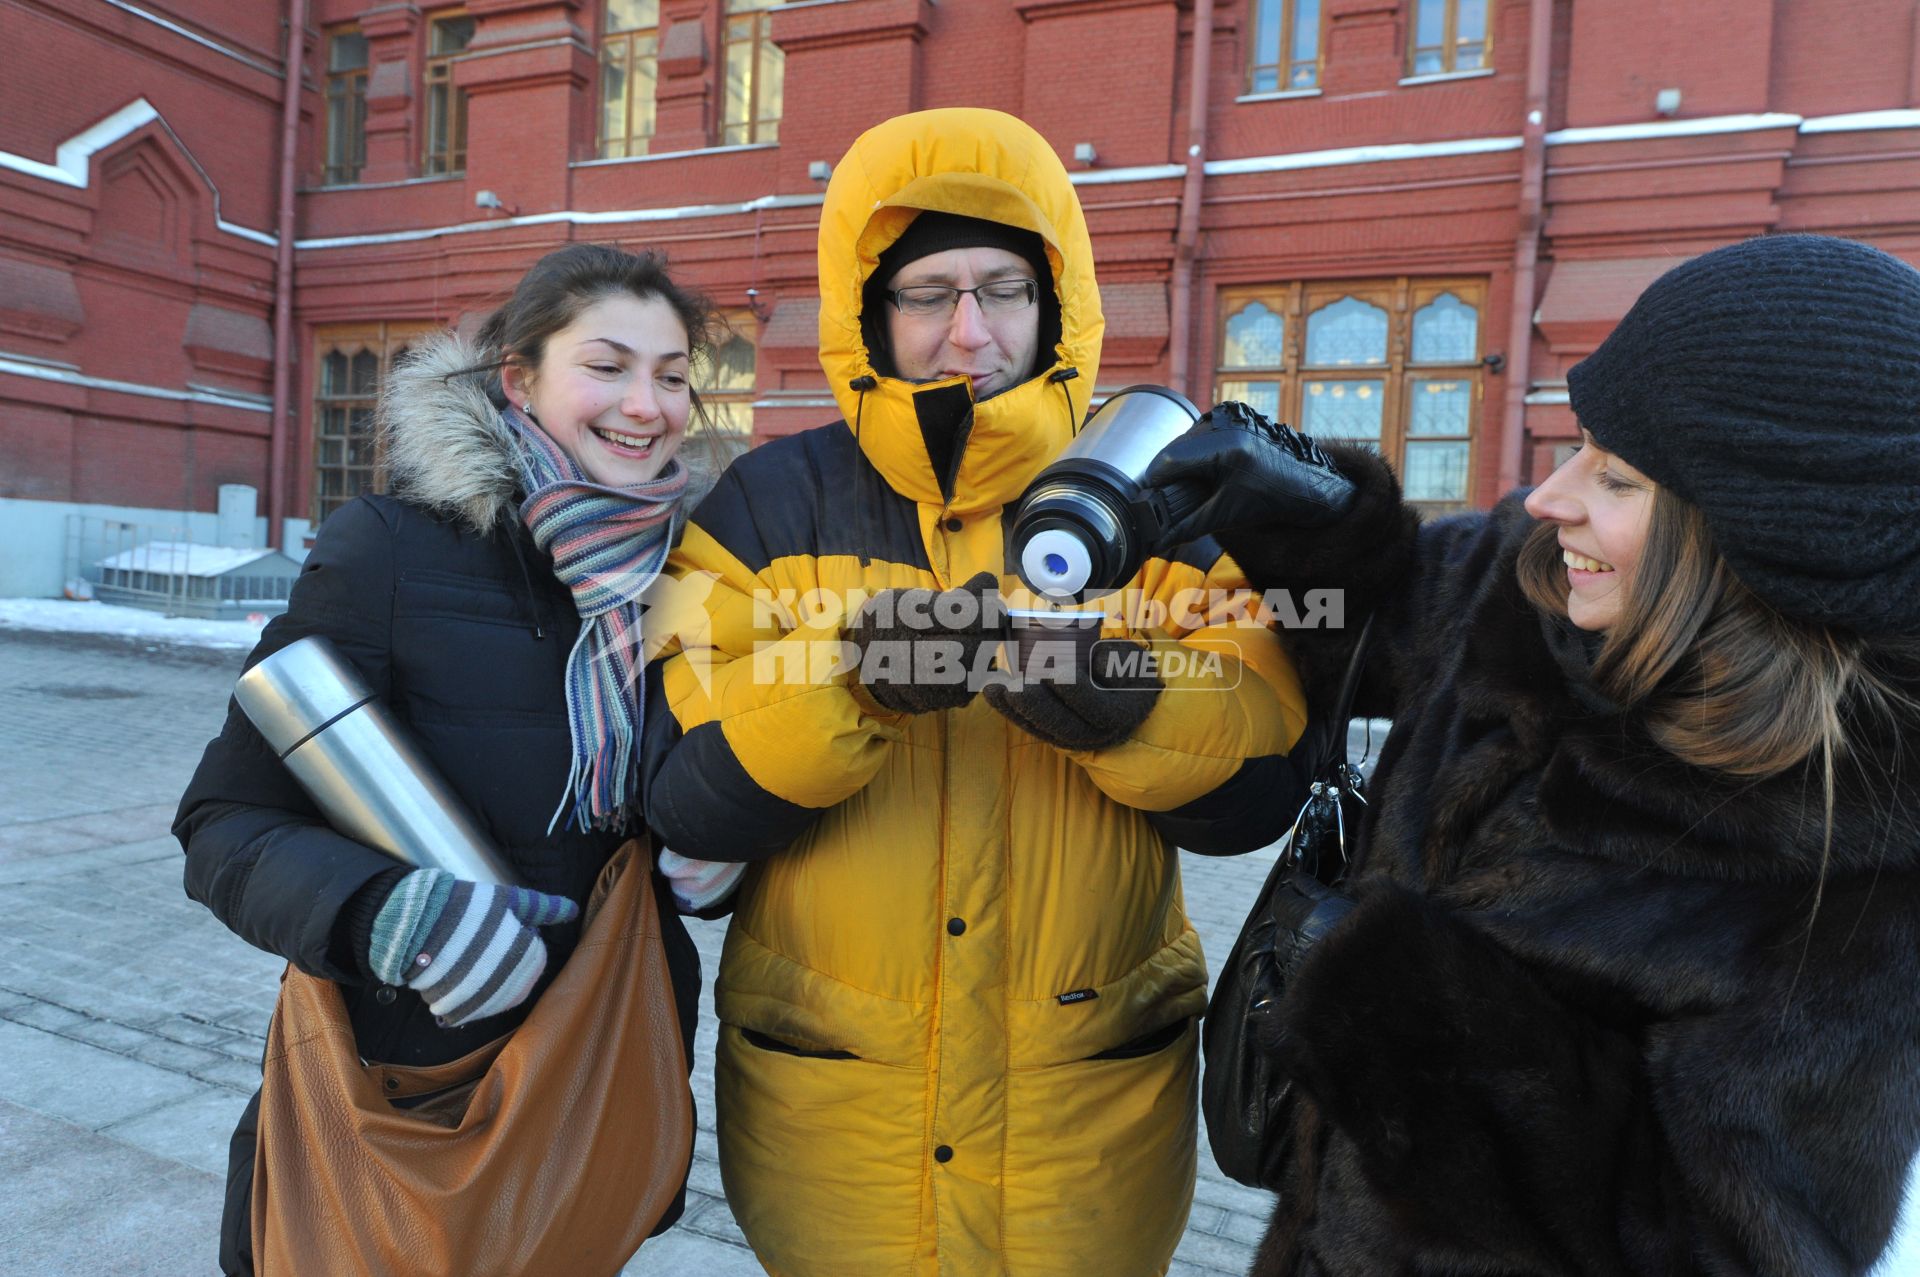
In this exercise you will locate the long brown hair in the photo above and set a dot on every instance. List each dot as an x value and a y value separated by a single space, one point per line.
1725 682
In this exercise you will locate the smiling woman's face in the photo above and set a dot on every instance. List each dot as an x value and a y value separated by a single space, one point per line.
1601 506
612 389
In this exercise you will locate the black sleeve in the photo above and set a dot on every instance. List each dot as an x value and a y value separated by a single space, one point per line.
1251 809
1412 577
258 853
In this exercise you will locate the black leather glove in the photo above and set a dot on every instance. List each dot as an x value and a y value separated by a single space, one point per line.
1097 709
1252 471
933 638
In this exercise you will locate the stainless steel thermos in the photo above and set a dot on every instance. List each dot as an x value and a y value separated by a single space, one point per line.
1087 523
365 774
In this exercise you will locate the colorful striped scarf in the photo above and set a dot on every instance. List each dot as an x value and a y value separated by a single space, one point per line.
608 545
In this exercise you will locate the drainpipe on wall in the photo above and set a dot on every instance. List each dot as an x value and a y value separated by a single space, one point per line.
1186 237
277 446
1526 245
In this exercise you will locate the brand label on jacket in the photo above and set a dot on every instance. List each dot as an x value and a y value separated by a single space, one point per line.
1078 995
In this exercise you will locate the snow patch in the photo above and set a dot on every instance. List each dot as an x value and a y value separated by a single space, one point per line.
66 616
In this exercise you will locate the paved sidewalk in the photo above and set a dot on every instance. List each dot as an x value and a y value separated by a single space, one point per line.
132 1023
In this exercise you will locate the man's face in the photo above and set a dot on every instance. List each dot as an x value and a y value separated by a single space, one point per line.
993 346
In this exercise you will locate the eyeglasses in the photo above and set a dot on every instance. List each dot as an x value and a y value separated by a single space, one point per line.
938 301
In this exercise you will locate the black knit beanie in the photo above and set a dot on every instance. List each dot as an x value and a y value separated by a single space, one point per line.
930 233
1775 385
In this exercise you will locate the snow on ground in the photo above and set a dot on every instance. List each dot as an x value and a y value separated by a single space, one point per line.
67 616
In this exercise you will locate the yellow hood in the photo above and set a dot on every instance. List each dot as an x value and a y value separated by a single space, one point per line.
975 163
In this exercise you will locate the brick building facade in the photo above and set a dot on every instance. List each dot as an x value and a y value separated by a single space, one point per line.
1377 191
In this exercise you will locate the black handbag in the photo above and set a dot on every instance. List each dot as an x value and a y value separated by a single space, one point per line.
1245 1099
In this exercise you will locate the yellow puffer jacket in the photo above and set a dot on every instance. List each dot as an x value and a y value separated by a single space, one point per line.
958 994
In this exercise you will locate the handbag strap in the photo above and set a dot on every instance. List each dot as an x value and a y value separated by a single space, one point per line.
1333 751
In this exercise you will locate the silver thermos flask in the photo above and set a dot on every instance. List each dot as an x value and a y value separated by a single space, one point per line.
365 774
1089 520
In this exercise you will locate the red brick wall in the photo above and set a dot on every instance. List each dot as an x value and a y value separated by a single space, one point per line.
143 248
1717 54
1844 55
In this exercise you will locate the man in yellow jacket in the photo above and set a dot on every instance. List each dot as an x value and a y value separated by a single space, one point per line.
958 995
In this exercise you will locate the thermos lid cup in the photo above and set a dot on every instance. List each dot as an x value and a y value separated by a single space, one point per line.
298 690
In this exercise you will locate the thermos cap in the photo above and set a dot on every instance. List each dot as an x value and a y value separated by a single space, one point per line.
1055 562
298 690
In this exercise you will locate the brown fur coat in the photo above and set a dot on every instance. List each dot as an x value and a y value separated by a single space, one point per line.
1580 1023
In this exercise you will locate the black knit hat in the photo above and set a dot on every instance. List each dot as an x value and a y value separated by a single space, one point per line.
1775 385
929 233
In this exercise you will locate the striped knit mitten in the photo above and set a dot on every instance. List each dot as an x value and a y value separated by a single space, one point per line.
468 948
699 884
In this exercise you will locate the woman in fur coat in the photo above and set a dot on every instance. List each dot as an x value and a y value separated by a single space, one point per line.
1633 981
476 599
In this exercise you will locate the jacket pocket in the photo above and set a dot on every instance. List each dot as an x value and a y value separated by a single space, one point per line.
1146 1044
765 1043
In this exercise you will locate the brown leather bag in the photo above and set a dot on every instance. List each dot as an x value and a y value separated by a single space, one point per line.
555 1149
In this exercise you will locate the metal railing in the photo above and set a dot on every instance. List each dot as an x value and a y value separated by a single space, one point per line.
157 566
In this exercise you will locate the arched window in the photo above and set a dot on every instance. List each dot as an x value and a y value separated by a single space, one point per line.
1255 337
726 382
1253 353
350 362
1391 364
1346 334
1445 331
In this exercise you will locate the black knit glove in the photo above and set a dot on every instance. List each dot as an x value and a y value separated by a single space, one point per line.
1099 708
923 644
1253 471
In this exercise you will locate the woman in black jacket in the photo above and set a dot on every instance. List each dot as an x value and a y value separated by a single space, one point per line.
1630 987
476 600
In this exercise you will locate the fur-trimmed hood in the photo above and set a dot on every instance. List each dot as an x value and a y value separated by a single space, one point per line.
448 449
